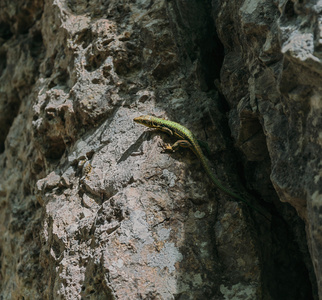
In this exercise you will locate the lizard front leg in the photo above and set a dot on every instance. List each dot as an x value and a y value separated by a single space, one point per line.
164 129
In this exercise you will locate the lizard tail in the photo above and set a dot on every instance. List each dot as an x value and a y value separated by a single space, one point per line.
227 191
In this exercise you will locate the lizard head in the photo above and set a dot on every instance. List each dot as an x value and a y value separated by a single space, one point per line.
145 120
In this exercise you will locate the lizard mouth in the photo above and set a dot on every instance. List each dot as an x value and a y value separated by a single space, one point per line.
142 119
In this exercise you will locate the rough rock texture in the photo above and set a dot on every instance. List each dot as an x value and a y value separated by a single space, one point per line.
90 208
272 77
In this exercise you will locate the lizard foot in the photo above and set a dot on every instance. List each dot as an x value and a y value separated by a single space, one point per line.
166 148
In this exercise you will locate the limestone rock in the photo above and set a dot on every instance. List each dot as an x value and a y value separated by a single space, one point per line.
89 206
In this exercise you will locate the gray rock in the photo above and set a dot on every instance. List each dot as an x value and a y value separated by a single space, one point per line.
91 208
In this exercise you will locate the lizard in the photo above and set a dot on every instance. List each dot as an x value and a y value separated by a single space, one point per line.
187 140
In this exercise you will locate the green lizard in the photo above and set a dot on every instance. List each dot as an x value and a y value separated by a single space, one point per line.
188 140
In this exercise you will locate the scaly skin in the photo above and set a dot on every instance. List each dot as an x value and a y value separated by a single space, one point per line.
187 139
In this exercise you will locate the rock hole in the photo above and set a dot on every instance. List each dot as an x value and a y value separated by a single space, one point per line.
10 107
5 31
36 45
289 10
3 61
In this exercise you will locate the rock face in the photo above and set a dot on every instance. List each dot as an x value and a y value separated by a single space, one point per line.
90 208
271 75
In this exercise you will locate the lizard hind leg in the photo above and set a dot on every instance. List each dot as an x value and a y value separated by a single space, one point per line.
176 145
